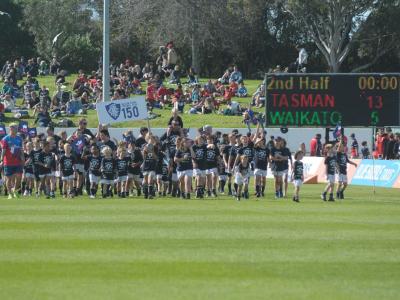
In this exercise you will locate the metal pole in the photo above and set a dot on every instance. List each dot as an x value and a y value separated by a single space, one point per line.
106 51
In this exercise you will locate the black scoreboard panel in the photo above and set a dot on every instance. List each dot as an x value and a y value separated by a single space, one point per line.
324 100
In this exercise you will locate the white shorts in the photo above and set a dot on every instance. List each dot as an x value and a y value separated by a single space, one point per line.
342 178
297 182
198 172
174 177
106 181
259 172
222 177
278 173
151 174
188 173
80 168
57 174
70 177
29 175
212 171
94 179
47 175
331 178
135 177
239 179
122 178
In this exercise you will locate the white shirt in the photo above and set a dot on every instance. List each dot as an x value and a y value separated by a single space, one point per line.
302 56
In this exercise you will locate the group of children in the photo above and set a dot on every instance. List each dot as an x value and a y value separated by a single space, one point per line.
173 165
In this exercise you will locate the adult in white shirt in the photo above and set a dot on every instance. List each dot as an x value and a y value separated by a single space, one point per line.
302 60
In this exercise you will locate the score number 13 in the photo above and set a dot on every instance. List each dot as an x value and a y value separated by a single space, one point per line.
375 102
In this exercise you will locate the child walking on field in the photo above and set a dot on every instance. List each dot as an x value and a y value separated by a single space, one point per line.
330 164
298 174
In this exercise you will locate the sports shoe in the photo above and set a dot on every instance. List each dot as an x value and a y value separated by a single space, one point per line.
92 197
26 193
16 195
238 199
295 199
323 197
10 197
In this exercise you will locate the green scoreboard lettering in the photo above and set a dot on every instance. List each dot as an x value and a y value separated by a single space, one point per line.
313 100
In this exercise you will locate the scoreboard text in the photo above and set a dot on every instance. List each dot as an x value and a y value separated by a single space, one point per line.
328 99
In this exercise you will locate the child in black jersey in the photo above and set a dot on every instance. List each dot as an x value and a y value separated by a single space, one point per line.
149 167
67 170
199 165
47 163
107 169
261 160
330 164
122 163
342 161
94 160
35 154
29 178
212 158
134 171
183 159
297 174
242 175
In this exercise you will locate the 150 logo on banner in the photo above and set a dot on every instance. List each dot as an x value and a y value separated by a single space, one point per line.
129 110
122 110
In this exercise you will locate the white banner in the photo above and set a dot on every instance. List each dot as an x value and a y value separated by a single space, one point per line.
122 110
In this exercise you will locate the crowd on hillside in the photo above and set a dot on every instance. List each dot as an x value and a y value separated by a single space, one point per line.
164 84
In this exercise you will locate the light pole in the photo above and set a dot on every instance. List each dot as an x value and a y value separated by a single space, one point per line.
106 50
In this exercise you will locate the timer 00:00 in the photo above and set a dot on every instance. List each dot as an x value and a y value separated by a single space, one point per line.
383 83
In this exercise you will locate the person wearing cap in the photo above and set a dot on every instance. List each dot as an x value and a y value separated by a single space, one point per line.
12 158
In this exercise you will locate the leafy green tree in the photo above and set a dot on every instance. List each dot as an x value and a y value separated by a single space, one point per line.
14 40
45 19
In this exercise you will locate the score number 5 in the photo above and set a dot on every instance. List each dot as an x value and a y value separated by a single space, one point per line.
375 102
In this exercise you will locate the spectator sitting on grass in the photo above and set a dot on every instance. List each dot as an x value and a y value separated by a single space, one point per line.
225 77
43 68
147 71
208 106
242 91
192 77
9 102
34 100
175 76
236 76
43 118
259 96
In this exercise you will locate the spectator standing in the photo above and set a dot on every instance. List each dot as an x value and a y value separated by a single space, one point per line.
172 57
316 145
354 146
302 60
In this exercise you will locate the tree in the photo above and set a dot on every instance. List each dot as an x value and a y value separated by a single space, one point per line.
14 40
378 38
332 24
47 18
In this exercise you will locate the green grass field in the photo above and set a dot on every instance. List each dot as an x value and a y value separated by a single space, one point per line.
190 121
202 249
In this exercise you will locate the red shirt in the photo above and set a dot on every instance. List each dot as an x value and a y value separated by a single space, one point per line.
13 149
151 93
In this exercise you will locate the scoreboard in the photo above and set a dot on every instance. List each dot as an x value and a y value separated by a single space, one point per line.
324 100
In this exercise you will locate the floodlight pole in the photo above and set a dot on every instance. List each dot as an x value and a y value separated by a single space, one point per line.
106 50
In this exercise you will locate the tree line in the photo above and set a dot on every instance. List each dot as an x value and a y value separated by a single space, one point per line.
256 35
